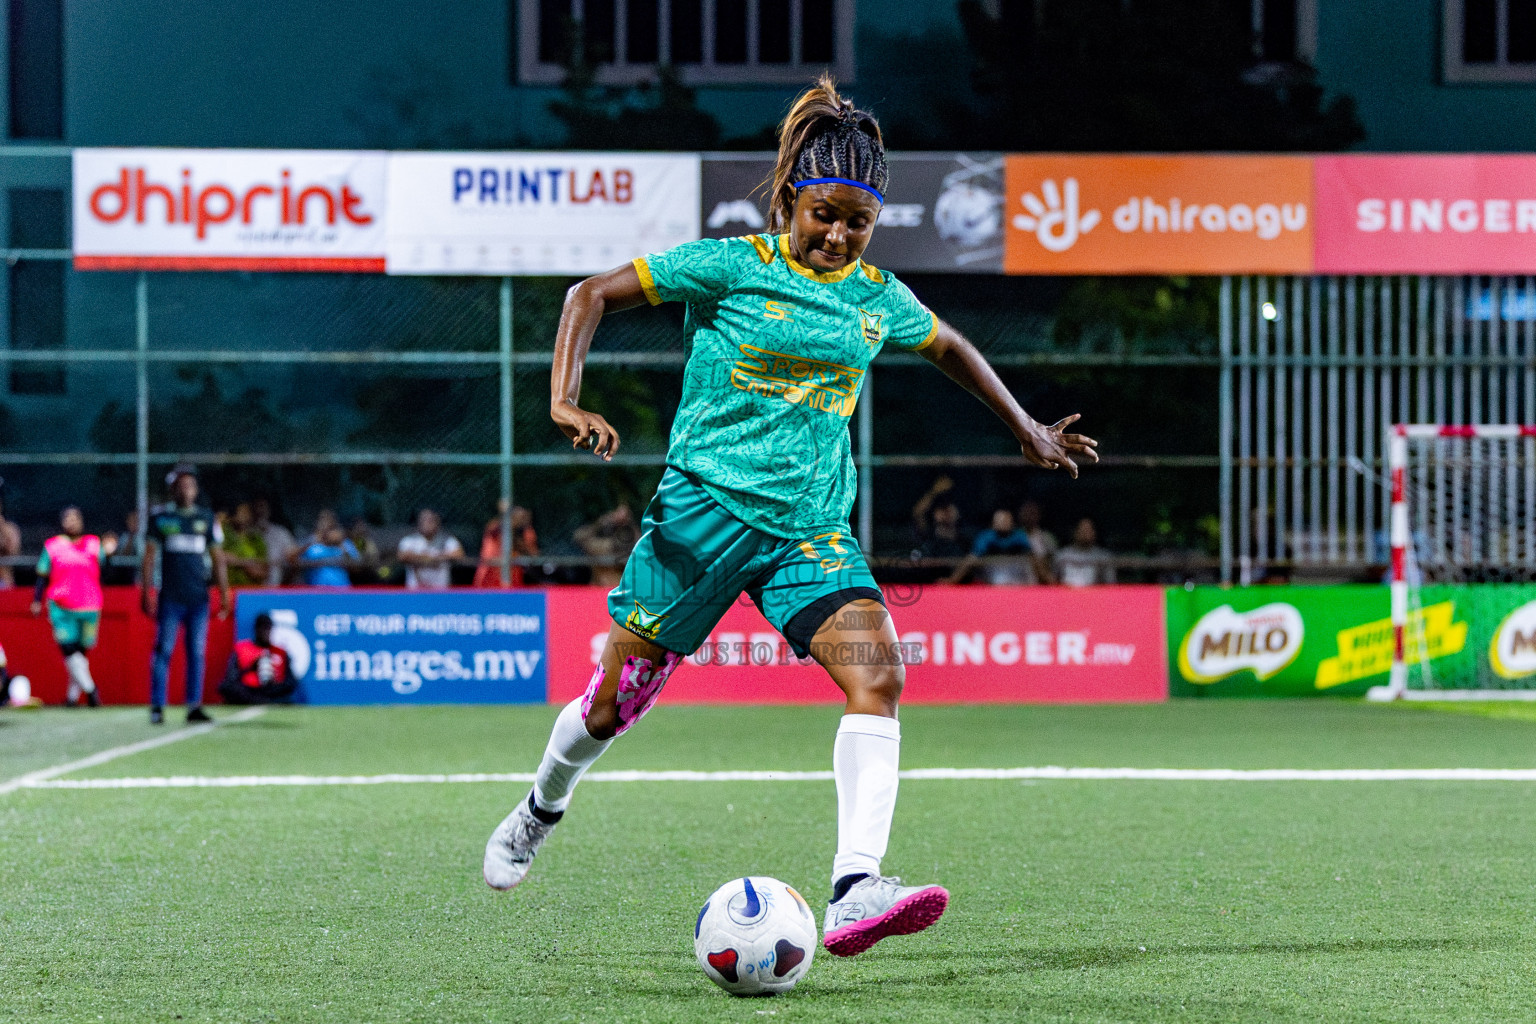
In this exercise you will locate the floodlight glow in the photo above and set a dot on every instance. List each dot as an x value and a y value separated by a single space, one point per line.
1269 311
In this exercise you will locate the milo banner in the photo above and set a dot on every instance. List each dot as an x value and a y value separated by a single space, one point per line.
1294 641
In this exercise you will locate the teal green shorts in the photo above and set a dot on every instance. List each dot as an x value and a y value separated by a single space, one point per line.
694 559
73 627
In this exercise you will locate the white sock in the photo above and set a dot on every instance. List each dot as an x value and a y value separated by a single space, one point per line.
865 757
79 669
571 751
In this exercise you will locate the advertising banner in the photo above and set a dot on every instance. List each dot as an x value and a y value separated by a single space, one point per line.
1299 641
943 211
392 646
1075 214
965 644
537 213
1426 214
228 209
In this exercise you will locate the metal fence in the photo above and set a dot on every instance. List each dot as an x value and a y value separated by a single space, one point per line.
1315 371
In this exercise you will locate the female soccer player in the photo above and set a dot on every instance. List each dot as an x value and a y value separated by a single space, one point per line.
781 329
69 576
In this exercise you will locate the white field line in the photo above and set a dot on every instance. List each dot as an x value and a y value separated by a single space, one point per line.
1048 772
41 777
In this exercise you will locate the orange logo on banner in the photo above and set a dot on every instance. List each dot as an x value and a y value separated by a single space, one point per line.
1158 215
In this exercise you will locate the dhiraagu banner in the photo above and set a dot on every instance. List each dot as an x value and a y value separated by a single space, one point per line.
1294 641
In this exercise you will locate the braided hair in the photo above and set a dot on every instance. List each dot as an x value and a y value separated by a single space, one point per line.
824 136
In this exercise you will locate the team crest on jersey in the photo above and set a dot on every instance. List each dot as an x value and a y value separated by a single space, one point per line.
870 324
643 623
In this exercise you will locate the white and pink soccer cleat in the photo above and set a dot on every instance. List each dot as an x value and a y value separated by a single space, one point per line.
876 908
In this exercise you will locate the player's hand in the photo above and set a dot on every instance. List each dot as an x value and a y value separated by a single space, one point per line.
37 608
587 430
1052 447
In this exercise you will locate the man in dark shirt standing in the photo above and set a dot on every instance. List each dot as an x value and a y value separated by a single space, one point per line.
183 541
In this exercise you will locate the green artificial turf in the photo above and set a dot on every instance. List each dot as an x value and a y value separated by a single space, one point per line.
1072 901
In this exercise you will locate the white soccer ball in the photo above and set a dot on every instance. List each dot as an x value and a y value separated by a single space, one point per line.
755 936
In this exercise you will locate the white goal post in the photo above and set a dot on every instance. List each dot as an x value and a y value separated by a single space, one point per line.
1463 542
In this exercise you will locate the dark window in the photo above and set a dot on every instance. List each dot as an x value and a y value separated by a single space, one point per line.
730 31
514 56
37 218
1479 31
597 31
818 32
554 22
1280 30
773 32
37 69
687 32
37 324
1522 33
642 33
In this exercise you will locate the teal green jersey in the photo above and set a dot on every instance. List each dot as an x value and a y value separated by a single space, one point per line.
777 354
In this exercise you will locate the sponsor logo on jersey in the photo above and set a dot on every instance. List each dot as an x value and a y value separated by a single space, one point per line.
1225 642
1512 654
870 324
777 311
816 383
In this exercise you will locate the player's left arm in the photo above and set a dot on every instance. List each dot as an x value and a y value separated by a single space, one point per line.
221 573
1050 446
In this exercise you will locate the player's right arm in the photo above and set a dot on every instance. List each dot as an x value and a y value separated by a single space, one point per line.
585 305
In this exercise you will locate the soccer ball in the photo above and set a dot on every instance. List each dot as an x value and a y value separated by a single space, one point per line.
755 936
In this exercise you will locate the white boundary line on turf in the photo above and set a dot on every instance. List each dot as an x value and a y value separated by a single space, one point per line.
43 776
1048 772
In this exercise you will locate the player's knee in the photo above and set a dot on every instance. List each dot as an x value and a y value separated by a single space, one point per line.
882 685
602 721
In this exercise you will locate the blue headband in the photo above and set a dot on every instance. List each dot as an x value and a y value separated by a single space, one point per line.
842 181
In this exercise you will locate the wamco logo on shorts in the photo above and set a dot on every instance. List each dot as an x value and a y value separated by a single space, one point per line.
1512 654
1224 642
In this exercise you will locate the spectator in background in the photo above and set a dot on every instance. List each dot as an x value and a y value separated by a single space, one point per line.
525 544
281 546
325 560
245 549
1010 546
370 570
129 546
1041 542
611 538
257 672
185 540
429 553
10 546
1083 563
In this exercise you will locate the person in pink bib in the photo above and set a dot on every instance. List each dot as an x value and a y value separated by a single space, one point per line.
69 579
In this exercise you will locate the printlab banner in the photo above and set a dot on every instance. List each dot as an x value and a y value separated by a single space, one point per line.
943 211
1300 641
993 645
228 209
537 213
382 647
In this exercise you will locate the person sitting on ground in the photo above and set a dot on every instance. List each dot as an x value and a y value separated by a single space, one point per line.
610 539
324 563
429 553
1083 563
1008 553
1041 541
257 672
245 549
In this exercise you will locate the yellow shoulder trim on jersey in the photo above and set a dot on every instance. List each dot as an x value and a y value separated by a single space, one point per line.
933 332
647 282
872 272
763 247
831 277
